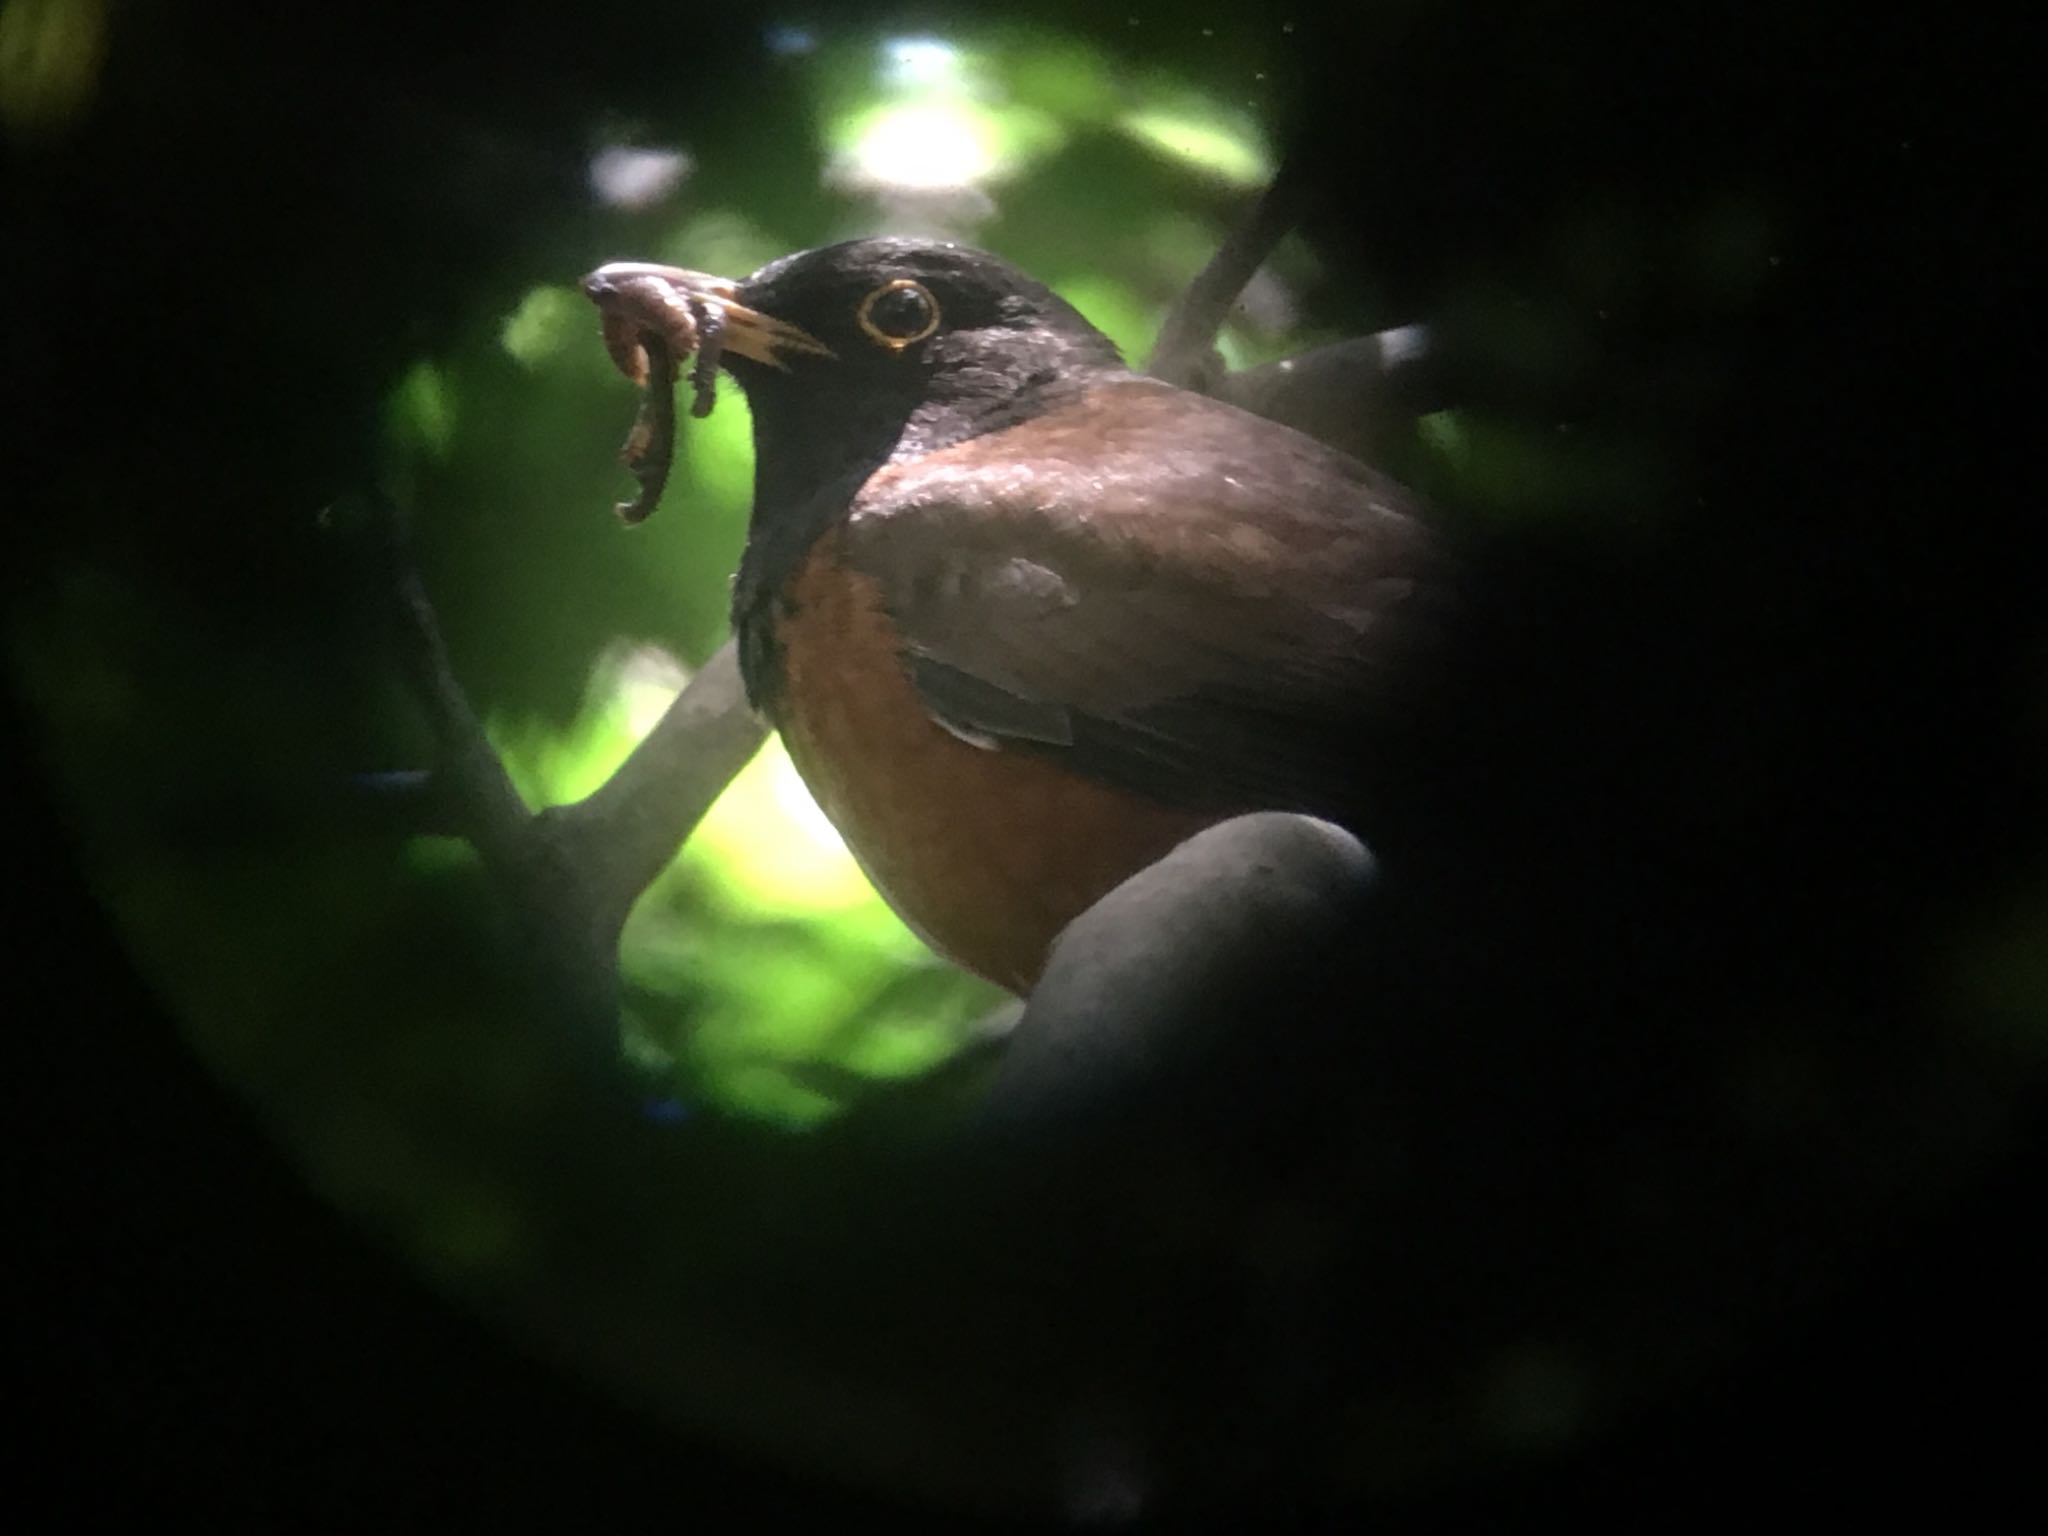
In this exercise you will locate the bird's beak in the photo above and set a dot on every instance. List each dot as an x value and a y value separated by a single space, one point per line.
688 311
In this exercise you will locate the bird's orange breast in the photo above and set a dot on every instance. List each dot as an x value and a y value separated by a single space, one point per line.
986 852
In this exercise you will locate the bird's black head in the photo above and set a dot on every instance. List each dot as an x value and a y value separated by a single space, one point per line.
921 345
856 354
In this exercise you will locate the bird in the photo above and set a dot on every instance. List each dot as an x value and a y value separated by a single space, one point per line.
1024 618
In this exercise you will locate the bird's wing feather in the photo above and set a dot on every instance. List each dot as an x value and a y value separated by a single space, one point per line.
1195 603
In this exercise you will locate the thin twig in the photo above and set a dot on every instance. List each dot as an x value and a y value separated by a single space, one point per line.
575 958
571 873
1188 334
1357 395
471 776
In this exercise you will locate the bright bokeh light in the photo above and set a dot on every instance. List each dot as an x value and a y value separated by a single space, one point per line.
632 176
935 119
913 62
542 324
922 147
1200 134
421 410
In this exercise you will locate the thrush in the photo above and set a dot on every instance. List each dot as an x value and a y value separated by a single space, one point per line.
1024 618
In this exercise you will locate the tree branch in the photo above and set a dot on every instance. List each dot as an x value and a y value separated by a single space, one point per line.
1355 395
1185 352
469 775
627 831
571 873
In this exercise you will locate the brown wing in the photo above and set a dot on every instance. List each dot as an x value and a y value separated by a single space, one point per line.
1172 594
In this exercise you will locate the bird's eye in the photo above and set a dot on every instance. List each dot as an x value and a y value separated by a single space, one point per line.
898 313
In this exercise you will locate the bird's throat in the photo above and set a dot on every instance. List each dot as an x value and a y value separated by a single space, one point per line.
816 444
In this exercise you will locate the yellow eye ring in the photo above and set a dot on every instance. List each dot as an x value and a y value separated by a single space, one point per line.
906 322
